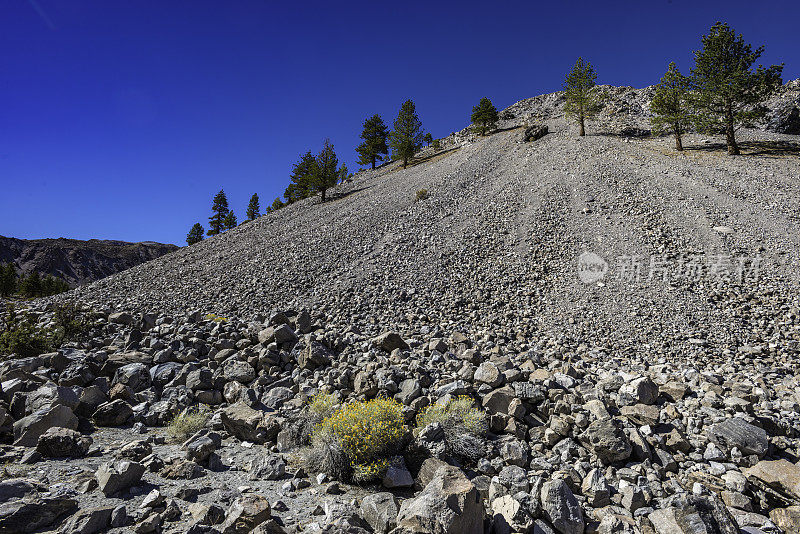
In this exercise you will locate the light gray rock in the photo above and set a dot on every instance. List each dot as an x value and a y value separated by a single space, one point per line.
561 508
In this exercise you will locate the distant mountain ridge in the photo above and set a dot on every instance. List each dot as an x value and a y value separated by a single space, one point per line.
77 261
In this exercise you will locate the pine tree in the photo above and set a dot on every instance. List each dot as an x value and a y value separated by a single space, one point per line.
326 174
8 279
31 286
230 221
301 177
216 222
406 138
195 235
275 206
374 146
344 174
670 111
428 138
484 116
582 100
725 91
253 208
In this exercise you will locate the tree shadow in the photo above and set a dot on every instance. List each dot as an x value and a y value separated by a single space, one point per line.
751 148
331 196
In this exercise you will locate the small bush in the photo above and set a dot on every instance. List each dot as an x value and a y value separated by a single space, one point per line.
187 423
422 194
322 405
69 323
356 441
22 336
464 426
216 318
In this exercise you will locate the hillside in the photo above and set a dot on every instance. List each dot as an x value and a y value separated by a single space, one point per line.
572 335
75 261
494 250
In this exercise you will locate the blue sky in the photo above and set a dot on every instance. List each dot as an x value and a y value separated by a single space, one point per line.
121 119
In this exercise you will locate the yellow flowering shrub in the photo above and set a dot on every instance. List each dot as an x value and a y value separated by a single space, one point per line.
216 318
367 433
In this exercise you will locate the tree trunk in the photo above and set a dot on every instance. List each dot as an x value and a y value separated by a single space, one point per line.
733 148
583 128
405 162
678 142
323 195
373 163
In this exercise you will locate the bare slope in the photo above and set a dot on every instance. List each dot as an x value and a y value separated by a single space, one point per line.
494 249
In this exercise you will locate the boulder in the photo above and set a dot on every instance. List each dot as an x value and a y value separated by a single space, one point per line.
59 442
449 504
16 488
389 341
380 511
736 432
314 355
643 390
561 508
246 513
114 413
28 429
694 514
90 520
779 478
34 513
248 424
134 375
118 476
607 440
534 132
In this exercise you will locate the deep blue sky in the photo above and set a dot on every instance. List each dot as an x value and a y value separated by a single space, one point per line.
121 119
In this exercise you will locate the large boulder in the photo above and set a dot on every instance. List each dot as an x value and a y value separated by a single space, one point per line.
314 355
31 514
114 413
389 341
134 375
380 510
58 442
694 514
607 440
28 429
48 396
561 508
115 477
534 132
16 488
780 479
248 424
449 504
736 432
245 514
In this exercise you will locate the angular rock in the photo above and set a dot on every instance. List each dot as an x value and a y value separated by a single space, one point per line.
607 440
380 511
449 504
114 413
561 508
736 432
118 476
246 513
32 514
389 341
28 429
59 442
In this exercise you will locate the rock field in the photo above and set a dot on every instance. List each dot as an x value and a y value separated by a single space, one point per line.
628 317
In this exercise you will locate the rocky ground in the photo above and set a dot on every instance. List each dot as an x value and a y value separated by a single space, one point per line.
650 386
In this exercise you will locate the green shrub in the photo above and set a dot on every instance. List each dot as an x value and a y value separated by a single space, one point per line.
22 336
464 426
186 423
216 318
69 324
322 405
422 194
357 441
